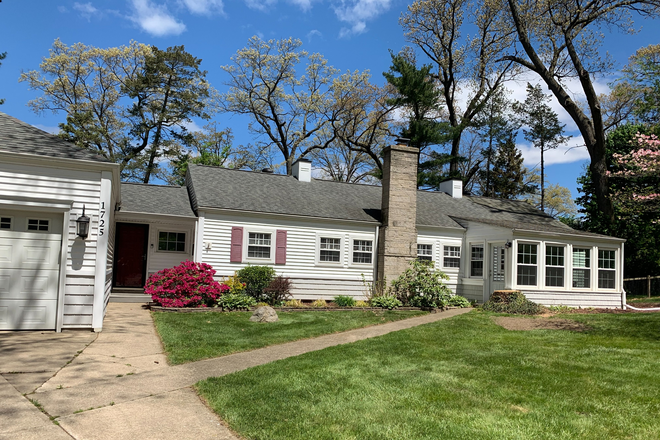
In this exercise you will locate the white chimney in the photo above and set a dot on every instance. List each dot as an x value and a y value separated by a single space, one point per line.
302 170
453 187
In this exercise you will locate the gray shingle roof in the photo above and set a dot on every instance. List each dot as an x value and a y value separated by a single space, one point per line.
19 137
155 199
277 194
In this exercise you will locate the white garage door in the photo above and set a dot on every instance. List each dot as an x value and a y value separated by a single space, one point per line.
30 244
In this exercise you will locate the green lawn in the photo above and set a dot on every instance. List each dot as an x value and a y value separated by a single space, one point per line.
193 336
632 299
461 378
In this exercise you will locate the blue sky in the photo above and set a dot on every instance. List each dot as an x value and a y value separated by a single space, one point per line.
351 34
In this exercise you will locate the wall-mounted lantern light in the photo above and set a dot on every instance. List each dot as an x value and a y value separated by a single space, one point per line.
508 244
82 225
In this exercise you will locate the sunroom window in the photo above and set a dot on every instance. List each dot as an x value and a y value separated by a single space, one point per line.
554 266
527 264
581 268
606 269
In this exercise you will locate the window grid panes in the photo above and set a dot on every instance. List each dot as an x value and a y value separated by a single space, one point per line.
330 250
424 252
259 245
554 266
362 251
527 264
581 268
452 256
5 222
172 241
477 261
37 225
606 269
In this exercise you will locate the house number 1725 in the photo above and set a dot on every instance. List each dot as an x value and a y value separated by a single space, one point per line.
102 219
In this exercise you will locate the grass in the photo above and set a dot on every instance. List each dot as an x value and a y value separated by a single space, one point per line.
461 378
642 299
193 336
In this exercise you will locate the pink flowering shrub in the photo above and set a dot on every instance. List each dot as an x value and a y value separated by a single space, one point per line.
187 285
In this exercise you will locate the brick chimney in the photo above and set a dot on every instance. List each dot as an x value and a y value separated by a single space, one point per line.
397 240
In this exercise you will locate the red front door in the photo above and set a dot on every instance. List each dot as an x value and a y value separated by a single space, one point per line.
131 255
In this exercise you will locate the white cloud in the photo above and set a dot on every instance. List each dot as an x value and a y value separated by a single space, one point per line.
86 10
314 33
155 19
356 13
260 5
203 7
305 5
573 151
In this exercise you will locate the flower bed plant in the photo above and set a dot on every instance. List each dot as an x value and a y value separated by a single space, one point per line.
189 284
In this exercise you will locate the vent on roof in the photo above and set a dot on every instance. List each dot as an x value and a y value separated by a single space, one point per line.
302 170
267 171
453 187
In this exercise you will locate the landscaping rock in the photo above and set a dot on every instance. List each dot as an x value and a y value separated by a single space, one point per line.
264 314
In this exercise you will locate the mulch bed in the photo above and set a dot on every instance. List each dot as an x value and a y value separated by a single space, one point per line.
156 308
514 323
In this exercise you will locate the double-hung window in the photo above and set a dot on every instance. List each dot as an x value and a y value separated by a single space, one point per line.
581 268
259 245
451 256
554 266
606 269
477 260
362 251
330 250
424 252
171 241
527 264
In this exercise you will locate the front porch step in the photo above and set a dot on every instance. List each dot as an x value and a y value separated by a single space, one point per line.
124 295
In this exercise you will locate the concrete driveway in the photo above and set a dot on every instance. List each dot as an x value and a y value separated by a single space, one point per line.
117 384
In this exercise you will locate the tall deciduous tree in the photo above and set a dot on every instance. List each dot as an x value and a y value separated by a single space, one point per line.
464 66
560 40
122 102
541 126
297 113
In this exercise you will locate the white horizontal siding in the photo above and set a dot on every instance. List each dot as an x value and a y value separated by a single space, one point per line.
575 299
302 267
439 239
18 181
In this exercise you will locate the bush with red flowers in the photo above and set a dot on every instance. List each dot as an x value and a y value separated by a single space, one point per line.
187 285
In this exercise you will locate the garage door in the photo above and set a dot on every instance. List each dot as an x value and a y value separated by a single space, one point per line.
30 244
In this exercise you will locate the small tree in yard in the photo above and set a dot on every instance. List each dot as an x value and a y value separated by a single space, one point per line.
421 286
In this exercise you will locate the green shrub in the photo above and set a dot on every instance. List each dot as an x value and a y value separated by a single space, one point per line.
236 301
344 301
513 302
385 302
235 285
458 301
278 290
319 303
256 279
421 286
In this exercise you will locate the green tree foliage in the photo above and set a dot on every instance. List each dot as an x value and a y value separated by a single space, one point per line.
129 104
508 175
541 127
495 126
640 228
419 98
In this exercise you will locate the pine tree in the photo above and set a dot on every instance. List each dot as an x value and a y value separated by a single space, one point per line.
508 173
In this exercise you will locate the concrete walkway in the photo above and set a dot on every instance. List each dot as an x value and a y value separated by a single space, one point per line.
117 384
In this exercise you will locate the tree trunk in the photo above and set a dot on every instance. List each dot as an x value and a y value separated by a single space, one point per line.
542 181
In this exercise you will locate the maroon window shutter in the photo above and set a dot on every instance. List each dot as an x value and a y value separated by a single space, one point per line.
280 251
236 252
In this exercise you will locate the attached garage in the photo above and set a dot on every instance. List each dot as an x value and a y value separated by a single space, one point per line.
30 253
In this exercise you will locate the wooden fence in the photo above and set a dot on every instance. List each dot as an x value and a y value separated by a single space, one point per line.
636 287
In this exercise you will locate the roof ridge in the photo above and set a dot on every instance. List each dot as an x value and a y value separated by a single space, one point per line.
151 184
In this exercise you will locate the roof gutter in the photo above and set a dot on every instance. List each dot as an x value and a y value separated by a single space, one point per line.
595 237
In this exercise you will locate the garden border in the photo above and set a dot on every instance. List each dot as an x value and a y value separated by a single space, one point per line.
155 308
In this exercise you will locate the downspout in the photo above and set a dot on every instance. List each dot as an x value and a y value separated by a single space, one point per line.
375 272
626 306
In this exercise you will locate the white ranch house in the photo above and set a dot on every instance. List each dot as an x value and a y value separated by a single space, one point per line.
328 237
